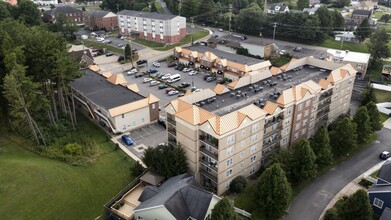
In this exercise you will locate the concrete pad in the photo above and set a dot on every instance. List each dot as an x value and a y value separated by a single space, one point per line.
387 123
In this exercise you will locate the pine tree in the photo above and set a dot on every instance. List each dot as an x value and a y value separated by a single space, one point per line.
224 210
274 192
356 206
303 164
343 137
303 4
363 30
374 116
363 123
320 144
368 95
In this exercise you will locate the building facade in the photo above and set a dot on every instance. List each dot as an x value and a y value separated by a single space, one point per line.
71 13
221 145
162 28
100 20
359 61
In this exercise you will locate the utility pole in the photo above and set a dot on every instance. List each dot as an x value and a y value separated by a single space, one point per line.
192 22
274 31
179 7
344 30
265 7
149 6
230 13
117 8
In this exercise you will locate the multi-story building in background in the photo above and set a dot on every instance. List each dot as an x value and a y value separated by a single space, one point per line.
72 13
162 28
100 20
229 132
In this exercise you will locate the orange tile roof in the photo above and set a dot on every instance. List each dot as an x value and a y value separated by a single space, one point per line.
324 84
220 89
107 74
179 105
270 107
252 111
94 68
151 98
117 79
275 70
133 87
233 84
194 115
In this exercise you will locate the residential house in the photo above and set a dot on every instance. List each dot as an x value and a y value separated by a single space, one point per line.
380 192
100 20
231 130
83 57
311 11
229 65
180 197
162 28
70 12
346 36
358 60
46 2
386 71
109 99
278 9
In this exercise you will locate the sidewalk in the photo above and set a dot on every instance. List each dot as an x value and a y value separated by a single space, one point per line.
352 187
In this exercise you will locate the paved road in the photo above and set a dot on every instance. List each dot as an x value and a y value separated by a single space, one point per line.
311 201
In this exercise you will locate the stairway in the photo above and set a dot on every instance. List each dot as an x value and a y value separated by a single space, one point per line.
358 88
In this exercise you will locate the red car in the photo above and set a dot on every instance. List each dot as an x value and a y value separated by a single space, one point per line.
169 90
171 64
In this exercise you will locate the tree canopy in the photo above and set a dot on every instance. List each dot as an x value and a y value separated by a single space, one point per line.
377 45
302 165
356 206
320 144
224 210
374 116
363 30
343 137
363 130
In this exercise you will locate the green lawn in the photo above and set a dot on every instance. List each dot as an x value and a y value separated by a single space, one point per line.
159 7
331 43
375 70
94 44
161 47
377 15
34 187
382 96
280 61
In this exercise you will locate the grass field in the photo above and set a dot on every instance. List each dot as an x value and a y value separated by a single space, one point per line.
377 15
159 7
382 96
94 44
331 43
34 187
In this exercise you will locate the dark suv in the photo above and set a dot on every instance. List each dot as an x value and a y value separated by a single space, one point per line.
140 62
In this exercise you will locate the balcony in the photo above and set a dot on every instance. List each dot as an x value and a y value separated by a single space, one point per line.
171 121
323 112
270 133
325 103
210 175
172 141
205 162
325 95
210 141
268 143
172 130
274 121
211 154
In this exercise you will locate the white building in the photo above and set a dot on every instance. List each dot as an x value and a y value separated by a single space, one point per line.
359 61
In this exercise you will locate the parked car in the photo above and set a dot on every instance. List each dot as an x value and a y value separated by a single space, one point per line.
162 123
181 94
197 90
151 71
146 80
385 155
159 75
186 70
211 79
132 71
162 86
193 72
140 62
221 30
206 76
192 89
138 75
99 39
171 64
156 64
173 92
298 49
154 83
169 90
107 41
184 85
128 141
166 76
109 54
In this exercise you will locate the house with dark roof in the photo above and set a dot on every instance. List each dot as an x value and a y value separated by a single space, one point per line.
278 9
70 12
100 20
152 26
360 15
109 99
83 57
380 192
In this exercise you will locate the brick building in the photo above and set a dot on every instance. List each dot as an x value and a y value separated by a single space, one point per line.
99 20
71 13
162 28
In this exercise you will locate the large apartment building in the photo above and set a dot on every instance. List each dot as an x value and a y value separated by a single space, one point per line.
229 134
162 28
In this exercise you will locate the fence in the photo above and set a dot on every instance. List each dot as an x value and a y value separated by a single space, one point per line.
242 212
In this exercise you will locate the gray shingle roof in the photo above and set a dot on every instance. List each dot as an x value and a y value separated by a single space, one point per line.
361 12
98 13
385 171
151 15
225 55
181 195
79 55
103 93
63 10
386 214
282 8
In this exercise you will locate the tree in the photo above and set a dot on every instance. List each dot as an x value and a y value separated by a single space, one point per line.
385 18
356 206
368 95
207 10
377 45
28 13
274 192
223 210
303 164
302 4
320 144
239 5
128 52
153 7
137 169
65 26
325 17
343 137
250 20
238 184
363 30
339 21
4 11
363 128
374 116
341 3
189 8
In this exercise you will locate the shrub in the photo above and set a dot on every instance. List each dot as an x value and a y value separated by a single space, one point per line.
73 149
238 184
137 169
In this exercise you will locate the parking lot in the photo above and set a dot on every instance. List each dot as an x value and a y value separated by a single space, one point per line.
148 136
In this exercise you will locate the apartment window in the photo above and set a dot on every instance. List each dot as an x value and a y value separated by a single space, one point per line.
253 158
242 143
312 116
227 185
243 132
303 131
230 150
229 173
252 170
378 203
314 99
153 106
311 124
298 117
296 135
289 111
287 130
287 121
133 123
274 127
307 103
142 120
297 127
229 162
230 139
255 127
241 165
242 154
305 122
123 115
253 149
306 113
254 138
300 106
123 126
285 140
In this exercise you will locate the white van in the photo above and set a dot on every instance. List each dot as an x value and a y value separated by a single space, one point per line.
174 78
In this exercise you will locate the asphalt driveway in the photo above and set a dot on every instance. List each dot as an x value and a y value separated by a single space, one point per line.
312 200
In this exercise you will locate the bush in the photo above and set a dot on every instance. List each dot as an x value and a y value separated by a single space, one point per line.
137 169
331 214
238 184
73 149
